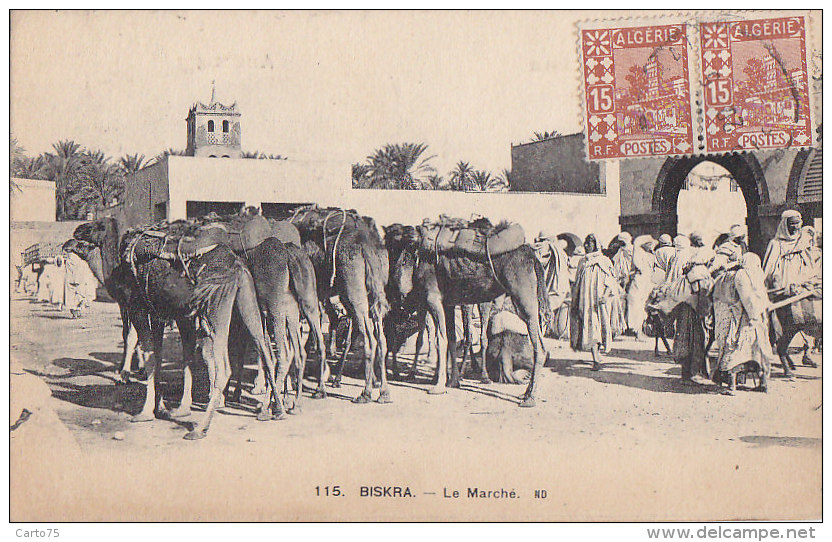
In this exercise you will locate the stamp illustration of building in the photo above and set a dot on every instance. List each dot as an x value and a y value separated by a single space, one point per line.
755 84
637 92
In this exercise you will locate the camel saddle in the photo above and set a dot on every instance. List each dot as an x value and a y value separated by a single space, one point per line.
185 240
474 239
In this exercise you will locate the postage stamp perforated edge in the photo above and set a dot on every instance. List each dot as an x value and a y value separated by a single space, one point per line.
657 20
692 20
810 50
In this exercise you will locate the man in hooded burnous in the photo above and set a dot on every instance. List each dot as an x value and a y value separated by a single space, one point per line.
550 252
741 312
593 294
789 262
622 264
664 252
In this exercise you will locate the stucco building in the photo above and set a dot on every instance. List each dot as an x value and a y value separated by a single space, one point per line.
189 186
771 181
32 200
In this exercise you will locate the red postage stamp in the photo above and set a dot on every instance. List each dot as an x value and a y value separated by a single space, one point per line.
755 84
637 96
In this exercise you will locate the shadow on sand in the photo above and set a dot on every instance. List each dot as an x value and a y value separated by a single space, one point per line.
612 373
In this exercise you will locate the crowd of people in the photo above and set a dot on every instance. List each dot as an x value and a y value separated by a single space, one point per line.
717 296
64 281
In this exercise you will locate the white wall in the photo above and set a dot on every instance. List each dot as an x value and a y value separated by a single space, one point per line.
34 201
328 183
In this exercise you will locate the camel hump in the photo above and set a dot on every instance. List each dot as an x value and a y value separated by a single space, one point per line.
285 231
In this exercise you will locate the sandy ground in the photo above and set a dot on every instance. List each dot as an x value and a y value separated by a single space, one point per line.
628 443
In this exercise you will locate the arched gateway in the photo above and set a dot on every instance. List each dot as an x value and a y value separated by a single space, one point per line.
747 173
771 181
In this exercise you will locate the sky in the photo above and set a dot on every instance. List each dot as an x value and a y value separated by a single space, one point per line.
329 86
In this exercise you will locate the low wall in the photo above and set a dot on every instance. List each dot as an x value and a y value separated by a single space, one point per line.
26 234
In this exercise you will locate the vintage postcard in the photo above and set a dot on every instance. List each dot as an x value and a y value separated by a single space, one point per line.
421 266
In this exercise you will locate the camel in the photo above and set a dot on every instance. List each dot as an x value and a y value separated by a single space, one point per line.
445 280
350 261
286 288
120 287
218 284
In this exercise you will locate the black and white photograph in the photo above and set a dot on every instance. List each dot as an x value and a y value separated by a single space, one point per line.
416 266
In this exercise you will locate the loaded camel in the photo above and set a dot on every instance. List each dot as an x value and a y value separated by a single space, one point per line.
212 284
407 307
350 261
285 282
445 279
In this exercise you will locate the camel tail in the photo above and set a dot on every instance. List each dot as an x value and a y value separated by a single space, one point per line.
544 309
375 277
211 291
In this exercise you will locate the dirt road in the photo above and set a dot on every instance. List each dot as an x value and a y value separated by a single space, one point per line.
628 443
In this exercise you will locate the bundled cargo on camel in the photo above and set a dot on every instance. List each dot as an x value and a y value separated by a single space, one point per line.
478 238
186 239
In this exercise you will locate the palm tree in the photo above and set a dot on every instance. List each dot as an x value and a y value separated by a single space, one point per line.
33 168
399 166
360 175
131 163
98 182
62 168
17 161
505 179
262 156
543 136
480 180
483 181
164 154
461 176
436 182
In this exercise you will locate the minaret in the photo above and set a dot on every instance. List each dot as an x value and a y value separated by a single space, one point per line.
214 129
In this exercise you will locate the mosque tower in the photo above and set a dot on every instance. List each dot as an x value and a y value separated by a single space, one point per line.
214 129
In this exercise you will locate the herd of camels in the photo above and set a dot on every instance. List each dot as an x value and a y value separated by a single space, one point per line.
215 283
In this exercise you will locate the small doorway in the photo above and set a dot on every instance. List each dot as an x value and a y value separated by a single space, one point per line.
196 209
279 210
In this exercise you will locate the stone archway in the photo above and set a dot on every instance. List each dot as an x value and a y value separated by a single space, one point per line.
744 168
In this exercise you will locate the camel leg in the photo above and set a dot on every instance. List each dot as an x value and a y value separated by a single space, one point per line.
249 311
215 353
381 356
299 355
506 364
187 334
153 365
450 322
485 315
332 316
336 381
529 308
420 338
437 312
365 327
313 317
131 343
278 328
667 347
